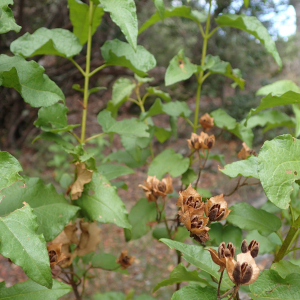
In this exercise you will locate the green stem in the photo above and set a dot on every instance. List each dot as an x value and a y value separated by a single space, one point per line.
76 137
97 70
213 31
288 241
140 103
189 121
87 73
94 136
77 66
200 77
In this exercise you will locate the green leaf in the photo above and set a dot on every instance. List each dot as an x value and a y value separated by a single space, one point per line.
279 167
266 245
162 134
197 256
204 193
79 16
217 157
284 268
192 292
247 217
176 109
117 53
7 20
270 118
109 296
141 214
223 120
54 118
10 167
278 88
125 157
246 3
160 6
270 207
49 136
111 171
179 11
105 261
253 26
179 274
296 109
103 204
28 79
188 176
180 68
130 127
168 162
272 101
216 66
97 89
33 291
173 109
52 210
46 41
121 90
271 286
154 91
246 167
162 232
123 13
21 244
228 233
143 297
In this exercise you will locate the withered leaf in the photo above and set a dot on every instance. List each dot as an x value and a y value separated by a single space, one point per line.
84 176
89 239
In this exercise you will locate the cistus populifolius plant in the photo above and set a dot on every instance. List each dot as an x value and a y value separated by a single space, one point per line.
54 237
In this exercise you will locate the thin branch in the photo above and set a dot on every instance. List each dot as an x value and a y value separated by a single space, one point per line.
201 30
134 101
205 76
75 135
97 70
189 121
227 293
219 284
94 136
213 31
77 66
201 168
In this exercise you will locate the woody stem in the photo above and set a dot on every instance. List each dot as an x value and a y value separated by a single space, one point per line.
219 285
74 285
227 293
234 292
201 168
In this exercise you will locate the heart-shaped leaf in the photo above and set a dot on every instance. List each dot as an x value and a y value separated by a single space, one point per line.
79 16
33 291
123 13
28 79
117 53
253 26
44 41
21 244
279 167
10 167
100 201
52 210
7 20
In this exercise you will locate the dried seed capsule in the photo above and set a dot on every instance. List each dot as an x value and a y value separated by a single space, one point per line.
253 248
244 246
